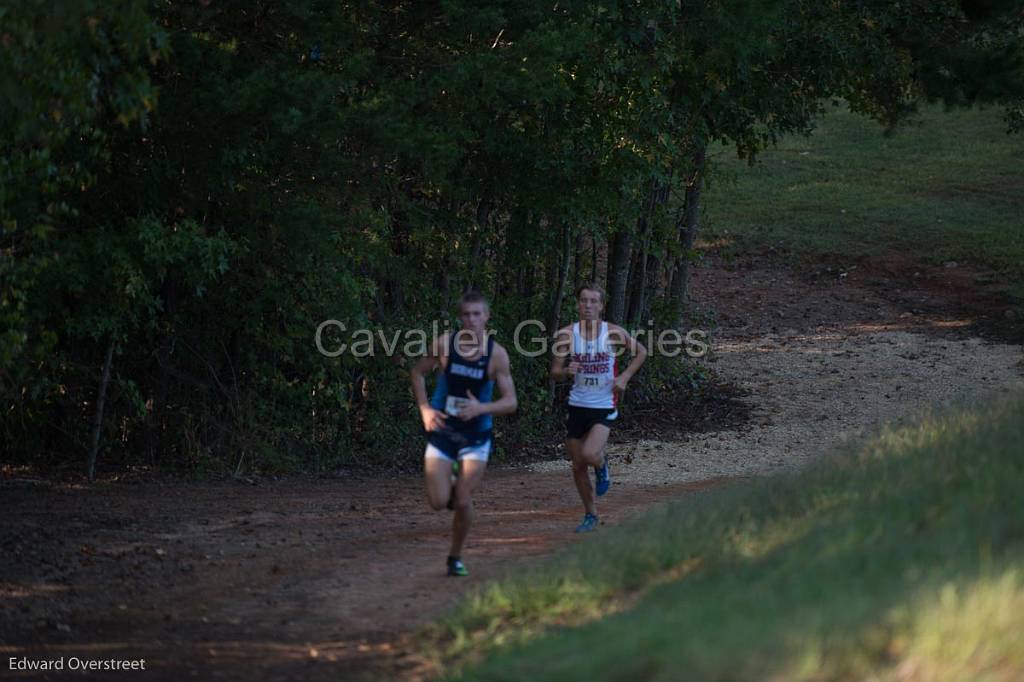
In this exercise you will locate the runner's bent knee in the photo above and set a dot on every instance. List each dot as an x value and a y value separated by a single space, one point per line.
463 502
592 455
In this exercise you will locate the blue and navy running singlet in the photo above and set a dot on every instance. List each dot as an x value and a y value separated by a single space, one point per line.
460 377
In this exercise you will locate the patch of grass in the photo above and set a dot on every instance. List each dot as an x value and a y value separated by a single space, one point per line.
902 558
950 186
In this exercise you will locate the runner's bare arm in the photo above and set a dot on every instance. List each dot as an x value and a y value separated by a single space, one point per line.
432 419
561 351
619 336
508 403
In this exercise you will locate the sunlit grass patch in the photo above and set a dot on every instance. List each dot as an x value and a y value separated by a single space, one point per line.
965 632
949 186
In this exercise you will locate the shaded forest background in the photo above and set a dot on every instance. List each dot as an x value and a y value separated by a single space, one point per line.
187 190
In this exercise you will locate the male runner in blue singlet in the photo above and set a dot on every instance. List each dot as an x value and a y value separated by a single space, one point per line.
457 417
587 352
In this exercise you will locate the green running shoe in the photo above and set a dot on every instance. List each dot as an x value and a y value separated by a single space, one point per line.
589 523
456 568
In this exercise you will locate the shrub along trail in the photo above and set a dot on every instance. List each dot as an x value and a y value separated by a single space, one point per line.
325 579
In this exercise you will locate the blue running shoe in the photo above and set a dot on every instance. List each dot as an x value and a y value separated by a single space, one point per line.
602 479
589 523
456 568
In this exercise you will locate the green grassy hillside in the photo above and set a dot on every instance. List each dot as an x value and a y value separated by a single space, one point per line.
902 558
949 186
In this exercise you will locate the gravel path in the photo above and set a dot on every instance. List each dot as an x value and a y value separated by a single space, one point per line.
865 365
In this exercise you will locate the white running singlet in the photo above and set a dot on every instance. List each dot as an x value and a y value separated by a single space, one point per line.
593 384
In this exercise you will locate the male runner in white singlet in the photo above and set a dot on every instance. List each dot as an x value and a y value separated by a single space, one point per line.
457 417
587 352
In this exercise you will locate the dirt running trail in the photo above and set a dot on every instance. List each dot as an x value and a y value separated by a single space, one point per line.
290 580
322 579
829 356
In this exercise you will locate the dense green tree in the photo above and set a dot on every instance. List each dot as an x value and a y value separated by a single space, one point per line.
188 190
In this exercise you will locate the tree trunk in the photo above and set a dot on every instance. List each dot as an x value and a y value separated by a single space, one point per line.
638 270
633 290
444 285
529 288
450 257
483 214
651 286
506 277
97 420
577 261
555 313
158 399
393 284
653 283
618 273
687 224
639 300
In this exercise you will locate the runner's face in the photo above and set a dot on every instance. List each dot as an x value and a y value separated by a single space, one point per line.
589 305
474 317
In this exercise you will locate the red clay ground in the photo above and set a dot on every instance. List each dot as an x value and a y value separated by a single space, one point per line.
324 579
764 292
314 579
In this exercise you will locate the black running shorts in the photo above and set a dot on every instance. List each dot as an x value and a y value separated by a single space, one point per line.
582 418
